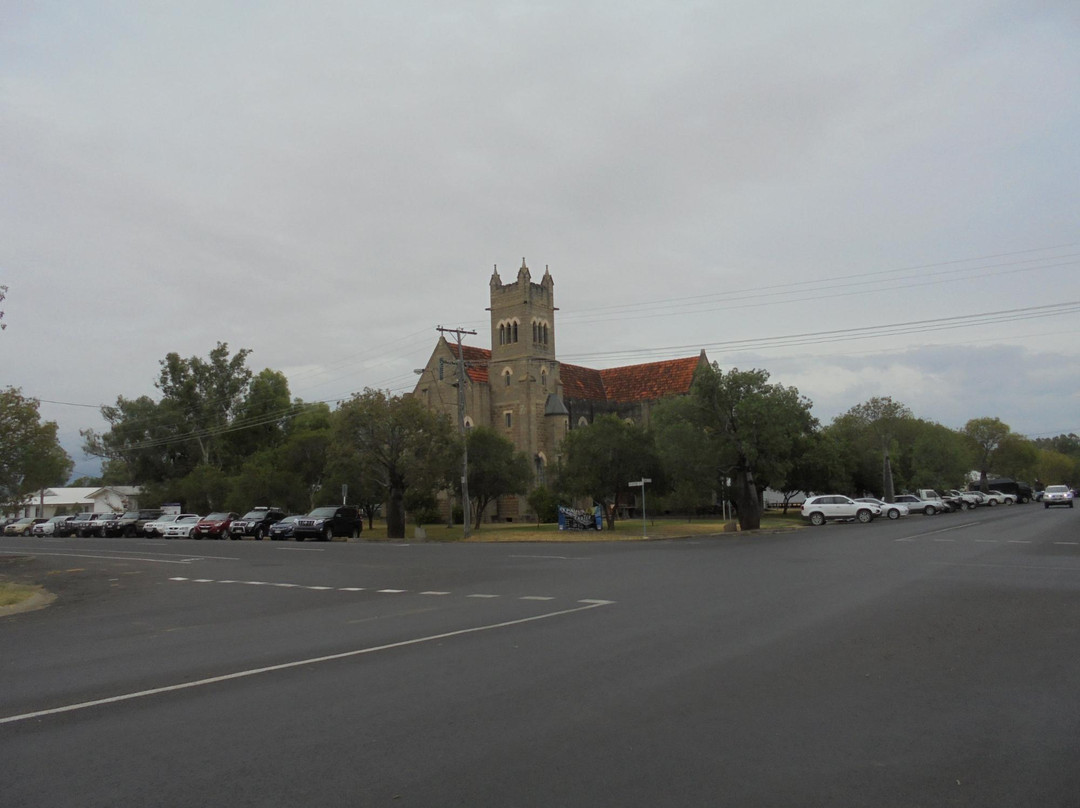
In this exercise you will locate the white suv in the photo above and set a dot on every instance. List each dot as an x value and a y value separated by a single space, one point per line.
1057 495
828 507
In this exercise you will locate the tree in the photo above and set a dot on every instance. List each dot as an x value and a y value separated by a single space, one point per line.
603 458
756 426
1017 457
31 457
193 424
882 418
207 394
405 446
986 436
940 458
495 469
687 454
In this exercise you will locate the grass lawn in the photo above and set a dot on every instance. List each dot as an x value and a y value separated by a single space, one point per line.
11 594
627 530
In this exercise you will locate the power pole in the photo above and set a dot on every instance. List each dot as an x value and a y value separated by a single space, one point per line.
465 508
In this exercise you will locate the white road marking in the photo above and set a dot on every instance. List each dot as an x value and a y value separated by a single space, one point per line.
1019 541
481 596
1069 543
392 591
347 588
536 597
429 592
307 549
589 604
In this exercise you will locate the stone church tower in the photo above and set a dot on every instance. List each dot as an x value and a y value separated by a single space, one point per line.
521 390
523 373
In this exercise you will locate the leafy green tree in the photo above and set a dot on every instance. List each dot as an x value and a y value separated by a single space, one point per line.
31 457
496 469
818 465
207 393
882 418
688 455
1055 468
266 479
544 502
405 445
940 457
986 436
757 426
603 458
262 417
1017 457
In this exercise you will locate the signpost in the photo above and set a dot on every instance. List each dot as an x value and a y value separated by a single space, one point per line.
641 484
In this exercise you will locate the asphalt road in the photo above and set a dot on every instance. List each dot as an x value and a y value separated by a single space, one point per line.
930 661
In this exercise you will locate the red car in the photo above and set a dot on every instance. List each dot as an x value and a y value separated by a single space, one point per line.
213 526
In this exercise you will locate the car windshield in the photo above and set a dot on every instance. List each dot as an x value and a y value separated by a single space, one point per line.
1056 489
289 519
258 513
172 517
187 519
322 512
216 517
131 515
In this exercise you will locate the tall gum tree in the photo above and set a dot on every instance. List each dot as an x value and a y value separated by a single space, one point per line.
986 436
31 457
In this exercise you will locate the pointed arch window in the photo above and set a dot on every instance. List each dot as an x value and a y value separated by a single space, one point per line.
502 333
515 339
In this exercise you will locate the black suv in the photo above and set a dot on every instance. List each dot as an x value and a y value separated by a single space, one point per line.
130 523
255 522
325 523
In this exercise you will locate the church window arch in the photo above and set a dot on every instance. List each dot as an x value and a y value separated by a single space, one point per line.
468 422
543 377
545 332
506 377
515 329
583 421
502 333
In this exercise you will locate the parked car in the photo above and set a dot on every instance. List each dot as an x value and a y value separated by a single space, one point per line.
1021 492
50 527
157 526
1057 495
1000 498
214 526
830 507
80 522
925 500
327 522
256 522
22 527
183 527
130 523
967 498
284 528
99 525
892 510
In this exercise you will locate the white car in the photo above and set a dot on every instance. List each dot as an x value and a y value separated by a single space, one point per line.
1000 498
830 507
1057 495
157 526
182 528
893 510
48 528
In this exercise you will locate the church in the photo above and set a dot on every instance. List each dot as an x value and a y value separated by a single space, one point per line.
519 388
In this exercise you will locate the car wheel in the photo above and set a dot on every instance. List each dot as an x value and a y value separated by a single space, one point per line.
817 519
194 534
130 532
355 533
893 513
930 510
298 538
1046 504
329 534
1070 504
258 534
864 516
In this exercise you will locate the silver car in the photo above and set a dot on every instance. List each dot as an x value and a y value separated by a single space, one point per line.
1057 495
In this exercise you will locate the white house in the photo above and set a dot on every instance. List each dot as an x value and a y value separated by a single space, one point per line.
50 502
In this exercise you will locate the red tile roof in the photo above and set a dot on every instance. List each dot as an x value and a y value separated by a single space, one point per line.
647 382
478 372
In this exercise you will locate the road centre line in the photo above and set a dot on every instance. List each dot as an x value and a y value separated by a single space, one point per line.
935 532
588 604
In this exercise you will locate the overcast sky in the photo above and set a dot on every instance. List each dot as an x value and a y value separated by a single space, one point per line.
326 182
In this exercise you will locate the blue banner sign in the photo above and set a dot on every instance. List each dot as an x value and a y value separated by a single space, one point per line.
574 519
